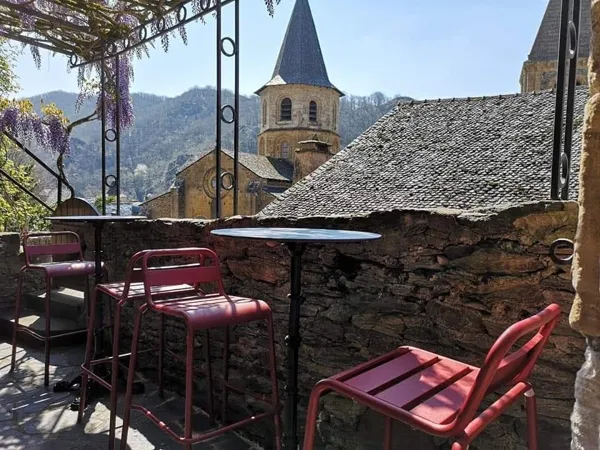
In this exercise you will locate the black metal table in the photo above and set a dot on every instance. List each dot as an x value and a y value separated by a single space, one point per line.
98 223
296 240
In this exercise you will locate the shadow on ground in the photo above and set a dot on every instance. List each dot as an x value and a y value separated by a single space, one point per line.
34 417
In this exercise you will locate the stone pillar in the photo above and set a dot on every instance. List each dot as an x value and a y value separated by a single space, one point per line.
585 312
309 156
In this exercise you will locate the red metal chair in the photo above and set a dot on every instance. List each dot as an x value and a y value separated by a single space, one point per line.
180 291
440 396
61 245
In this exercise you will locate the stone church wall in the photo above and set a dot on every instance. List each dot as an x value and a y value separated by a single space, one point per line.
445 282
541 75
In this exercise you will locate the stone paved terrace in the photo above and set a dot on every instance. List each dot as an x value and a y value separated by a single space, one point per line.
33 417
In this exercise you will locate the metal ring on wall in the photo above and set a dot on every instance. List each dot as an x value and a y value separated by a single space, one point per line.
233 47
561 243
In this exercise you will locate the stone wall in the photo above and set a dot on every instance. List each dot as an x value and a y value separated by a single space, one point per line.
11 261
447 282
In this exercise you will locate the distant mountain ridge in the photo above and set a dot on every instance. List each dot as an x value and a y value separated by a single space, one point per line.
170 131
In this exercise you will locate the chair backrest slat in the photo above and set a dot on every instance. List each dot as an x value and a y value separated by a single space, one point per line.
190 274
70 248
502 368
54 244
201 267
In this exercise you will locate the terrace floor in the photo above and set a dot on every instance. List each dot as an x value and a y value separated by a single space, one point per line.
34 417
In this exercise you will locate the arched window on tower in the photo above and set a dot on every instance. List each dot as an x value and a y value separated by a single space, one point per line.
285 150
312 111
286 110
264 113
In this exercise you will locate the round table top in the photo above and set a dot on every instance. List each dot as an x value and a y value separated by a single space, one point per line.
298 235
95 218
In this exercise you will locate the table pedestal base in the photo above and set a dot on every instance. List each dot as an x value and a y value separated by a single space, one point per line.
293 340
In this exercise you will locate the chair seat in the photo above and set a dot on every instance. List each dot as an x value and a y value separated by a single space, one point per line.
421 383
67 268
215 310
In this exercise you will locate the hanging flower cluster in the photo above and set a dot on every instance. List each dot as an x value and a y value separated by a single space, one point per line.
48 130
79 28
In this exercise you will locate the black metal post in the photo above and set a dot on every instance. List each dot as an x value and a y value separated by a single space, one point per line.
293 340
569 33
219 113
103 127
118 133
236 123
572 84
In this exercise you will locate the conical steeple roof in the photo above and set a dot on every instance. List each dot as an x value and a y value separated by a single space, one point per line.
545 46
300 59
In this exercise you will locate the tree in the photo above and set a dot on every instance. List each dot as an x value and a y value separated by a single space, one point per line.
18 210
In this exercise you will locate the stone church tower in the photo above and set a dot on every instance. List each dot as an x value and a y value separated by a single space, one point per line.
299 103
540 70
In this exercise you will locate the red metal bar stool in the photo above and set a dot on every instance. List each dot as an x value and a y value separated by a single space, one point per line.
181 291
440 396
61 245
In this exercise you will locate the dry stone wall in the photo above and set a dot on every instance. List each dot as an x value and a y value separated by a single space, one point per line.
11 261
445 281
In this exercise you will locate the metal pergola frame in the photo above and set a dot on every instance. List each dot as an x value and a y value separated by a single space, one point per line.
97 37
566 83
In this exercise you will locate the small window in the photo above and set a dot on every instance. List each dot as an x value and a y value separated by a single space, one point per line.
264 113
285 150
286 110
262 146
312 111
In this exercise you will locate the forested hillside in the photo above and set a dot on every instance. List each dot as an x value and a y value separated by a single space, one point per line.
169 132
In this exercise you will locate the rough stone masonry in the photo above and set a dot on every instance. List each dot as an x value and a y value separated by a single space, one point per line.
445 281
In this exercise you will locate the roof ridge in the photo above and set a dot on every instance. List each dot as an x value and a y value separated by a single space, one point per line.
477 98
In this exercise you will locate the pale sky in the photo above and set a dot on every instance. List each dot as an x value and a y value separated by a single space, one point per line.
423 49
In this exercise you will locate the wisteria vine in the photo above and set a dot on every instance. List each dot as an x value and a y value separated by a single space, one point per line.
54 24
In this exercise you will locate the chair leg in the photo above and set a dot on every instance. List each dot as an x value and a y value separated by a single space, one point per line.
311 418
89 350
48 331
274 387
13 360
225 375
209 378
531 408
189 387
114 382
387 441
161 356
131 375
